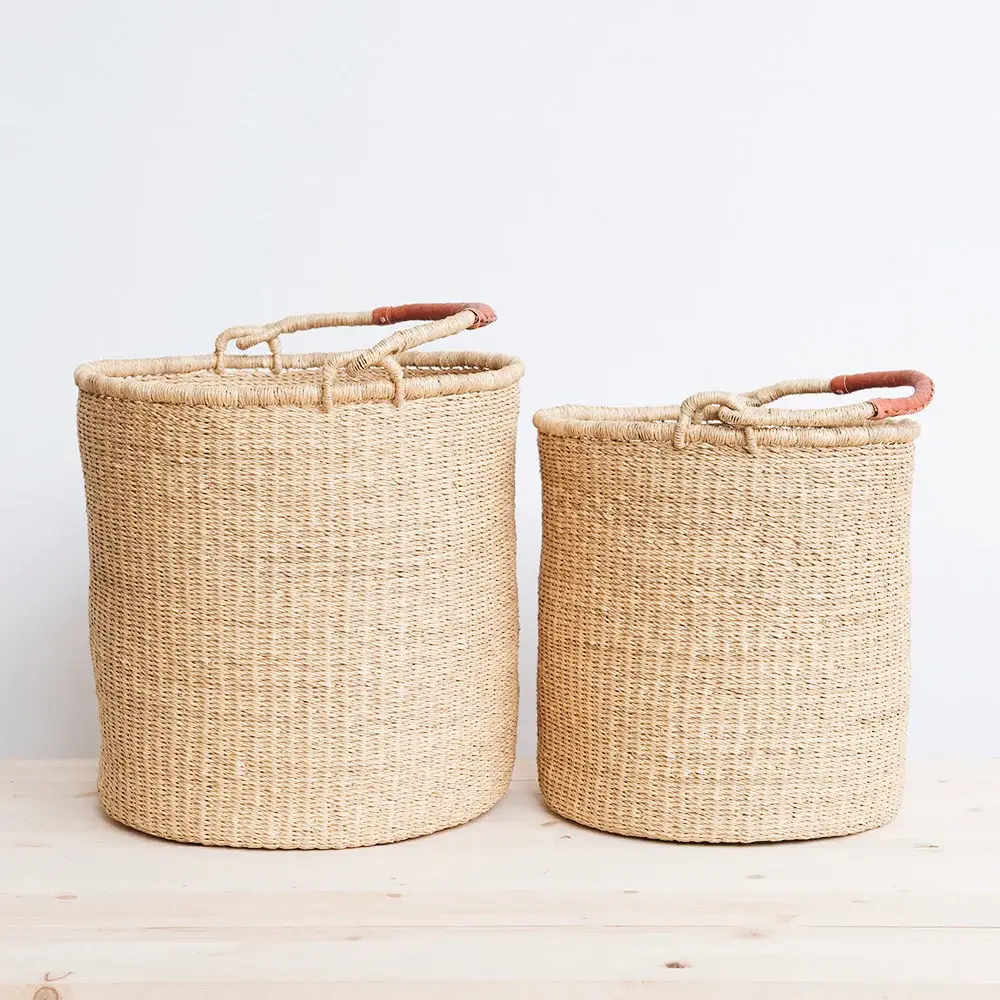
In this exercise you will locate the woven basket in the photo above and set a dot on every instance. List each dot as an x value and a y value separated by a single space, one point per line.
303 598
724 614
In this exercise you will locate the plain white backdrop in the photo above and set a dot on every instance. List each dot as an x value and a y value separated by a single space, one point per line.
658 198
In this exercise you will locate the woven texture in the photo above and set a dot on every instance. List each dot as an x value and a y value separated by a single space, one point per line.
723 626
303 621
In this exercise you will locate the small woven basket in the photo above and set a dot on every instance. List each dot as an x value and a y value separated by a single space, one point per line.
724 613
303 596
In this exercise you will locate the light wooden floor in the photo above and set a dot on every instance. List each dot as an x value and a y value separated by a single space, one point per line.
517 904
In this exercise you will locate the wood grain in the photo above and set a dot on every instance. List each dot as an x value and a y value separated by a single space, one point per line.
518 904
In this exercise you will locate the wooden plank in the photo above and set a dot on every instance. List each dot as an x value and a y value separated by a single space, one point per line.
497 991
800 955
452 861
750 906
518 896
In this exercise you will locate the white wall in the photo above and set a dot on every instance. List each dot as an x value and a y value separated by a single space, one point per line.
657 197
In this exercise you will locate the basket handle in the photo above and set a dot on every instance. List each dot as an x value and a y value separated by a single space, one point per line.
750 411
834 416
425 311
447 318
440 319
923 390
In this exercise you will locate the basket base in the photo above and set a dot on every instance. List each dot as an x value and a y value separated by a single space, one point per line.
320 841
698 829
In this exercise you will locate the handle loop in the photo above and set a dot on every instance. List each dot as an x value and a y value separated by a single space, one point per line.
708 406
250 336
441 319
241 335
923 390
415 336
750 411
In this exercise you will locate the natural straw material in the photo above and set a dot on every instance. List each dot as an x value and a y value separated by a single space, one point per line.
303 597
724 617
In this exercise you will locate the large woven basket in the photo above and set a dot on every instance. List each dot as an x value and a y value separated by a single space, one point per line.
724 613
303 597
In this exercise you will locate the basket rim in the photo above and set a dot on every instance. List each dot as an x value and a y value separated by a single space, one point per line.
658 424
117 379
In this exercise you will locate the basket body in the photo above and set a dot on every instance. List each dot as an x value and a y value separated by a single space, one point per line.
724 637
303 623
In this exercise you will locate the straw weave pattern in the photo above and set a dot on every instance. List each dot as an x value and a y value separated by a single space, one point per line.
724 636
303 623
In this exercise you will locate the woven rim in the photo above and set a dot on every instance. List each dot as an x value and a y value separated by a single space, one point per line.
340 377
746 421
658 423
137 379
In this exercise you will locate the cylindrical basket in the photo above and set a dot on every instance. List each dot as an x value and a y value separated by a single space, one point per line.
303 596
724 613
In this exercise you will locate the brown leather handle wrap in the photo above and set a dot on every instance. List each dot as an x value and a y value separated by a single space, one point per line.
429 311
923 390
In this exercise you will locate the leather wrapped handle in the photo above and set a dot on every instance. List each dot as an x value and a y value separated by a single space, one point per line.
923 390
425 312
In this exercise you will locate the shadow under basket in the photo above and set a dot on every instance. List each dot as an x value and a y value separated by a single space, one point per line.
724 613
303 601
